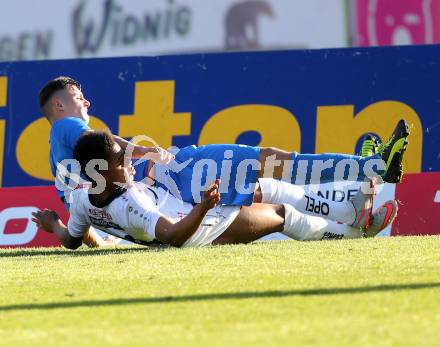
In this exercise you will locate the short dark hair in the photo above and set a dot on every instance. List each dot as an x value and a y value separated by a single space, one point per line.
93 145
55 85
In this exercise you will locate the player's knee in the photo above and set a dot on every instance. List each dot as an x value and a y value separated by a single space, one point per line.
279 154
279 210
267 151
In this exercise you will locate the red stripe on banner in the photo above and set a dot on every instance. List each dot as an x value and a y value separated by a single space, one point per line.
16 207
419 211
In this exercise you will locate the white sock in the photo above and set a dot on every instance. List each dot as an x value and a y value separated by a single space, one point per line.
302 227
279 192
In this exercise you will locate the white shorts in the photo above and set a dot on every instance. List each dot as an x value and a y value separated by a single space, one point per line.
213 225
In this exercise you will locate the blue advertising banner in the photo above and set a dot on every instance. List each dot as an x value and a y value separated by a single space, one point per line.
309 101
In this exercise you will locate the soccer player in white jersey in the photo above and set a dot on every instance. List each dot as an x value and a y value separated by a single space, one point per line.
65 107
142 214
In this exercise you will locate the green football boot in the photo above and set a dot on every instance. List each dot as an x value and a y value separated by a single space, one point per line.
392 153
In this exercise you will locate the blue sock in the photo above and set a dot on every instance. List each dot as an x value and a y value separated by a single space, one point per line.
332 167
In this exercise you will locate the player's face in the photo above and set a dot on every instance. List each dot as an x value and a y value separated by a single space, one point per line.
117 171
75 104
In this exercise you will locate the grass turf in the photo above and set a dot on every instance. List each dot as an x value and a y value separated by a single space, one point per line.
370 292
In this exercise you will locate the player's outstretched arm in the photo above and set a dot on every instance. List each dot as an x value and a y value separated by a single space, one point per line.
176 234
49 221
156 154
93 240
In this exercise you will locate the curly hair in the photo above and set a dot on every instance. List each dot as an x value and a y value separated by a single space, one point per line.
93 145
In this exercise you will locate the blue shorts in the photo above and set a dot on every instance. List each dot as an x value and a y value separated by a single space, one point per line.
141 169
195 168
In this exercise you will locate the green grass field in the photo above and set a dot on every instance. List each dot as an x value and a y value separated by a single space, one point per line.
370 292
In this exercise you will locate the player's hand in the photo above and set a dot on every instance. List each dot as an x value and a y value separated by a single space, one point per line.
159 155
211 196
45 219
111 240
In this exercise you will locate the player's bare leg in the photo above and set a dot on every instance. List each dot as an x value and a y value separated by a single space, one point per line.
252 223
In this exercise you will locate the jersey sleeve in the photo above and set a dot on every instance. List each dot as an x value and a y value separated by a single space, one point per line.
77 225
68 130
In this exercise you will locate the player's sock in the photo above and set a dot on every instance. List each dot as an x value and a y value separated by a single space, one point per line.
278 192
331 167
302 227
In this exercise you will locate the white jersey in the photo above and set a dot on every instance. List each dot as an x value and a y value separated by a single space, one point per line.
134 214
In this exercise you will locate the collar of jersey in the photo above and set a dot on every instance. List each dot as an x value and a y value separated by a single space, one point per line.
115 194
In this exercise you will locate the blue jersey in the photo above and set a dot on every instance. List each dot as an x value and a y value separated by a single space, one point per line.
64 135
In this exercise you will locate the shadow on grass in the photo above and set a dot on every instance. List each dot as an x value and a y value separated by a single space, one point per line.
81 253
222 296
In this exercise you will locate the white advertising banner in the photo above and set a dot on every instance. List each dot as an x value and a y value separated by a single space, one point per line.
53 29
